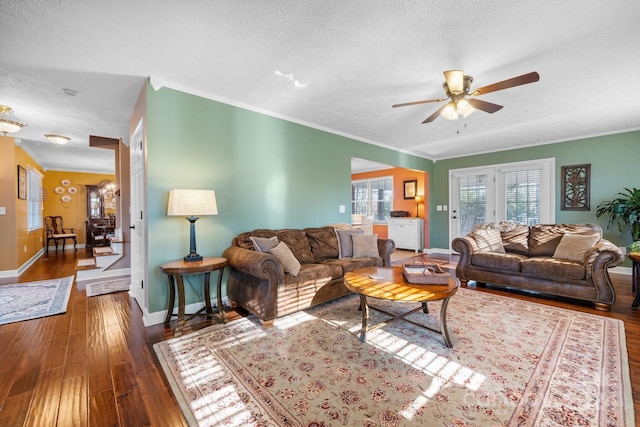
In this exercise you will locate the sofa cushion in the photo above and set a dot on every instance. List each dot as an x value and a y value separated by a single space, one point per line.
554 268
264 244
515 237
498 261
323 242
365 245
345 243
289 262
314 273
488 239
350 264
575 246
545 238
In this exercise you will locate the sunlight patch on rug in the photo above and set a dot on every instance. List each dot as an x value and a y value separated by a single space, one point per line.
31 300
513 363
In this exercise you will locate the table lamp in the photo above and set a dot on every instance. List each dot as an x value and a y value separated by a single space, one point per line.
418 201
191 203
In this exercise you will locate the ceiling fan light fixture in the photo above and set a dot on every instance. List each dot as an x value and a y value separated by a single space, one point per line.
464 108
450 112
57 139
8 125
455 81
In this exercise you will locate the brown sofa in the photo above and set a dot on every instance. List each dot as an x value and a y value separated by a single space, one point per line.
259 284
540 258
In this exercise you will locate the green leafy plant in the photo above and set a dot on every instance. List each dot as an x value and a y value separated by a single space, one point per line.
623 210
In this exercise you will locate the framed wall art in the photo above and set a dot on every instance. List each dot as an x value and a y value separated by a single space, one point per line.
575 191
22 183
410 188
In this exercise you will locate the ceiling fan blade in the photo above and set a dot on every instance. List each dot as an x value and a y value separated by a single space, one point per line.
485 106
434 115
506 84
418 102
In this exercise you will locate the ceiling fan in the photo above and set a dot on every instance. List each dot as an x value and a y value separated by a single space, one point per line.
457 87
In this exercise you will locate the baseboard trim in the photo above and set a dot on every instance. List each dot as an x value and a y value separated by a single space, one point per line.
157 317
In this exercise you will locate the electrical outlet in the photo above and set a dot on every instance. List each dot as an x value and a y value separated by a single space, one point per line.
342 209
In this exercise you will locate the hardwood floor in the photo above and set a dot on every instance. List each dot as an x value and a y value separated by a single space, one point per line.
95 365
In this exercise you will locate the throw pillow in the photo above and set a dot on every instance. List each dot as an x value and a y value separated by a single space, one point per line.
289 261
365 245
345 244
488 240
575 246
263 244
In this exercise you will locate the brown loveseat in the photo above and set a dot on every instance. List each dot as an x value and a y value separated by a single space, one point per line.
258 281
556 259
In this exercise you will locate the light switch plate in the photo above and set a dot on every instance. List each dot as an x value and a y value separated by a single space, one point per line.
342 209
3 210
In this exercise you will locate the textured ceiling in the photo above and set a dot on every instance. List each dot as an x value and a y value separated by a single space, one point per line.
76 68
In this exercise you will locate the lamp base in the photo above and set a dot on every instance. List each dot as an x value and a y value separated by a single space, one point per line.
193 257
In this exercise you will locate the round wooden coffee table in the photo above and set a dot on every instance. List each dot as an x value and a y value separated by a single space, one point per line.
388 283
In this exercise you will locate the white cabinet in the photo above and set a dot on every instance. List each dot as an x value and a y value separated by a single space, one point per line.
407 233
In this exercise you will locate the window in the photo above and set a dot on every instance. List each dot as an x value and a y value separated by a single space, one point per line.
34 200
372 197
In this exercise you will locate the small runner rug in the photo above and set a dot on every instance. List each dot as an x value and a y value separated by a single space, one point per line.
514 363
108 286
31 300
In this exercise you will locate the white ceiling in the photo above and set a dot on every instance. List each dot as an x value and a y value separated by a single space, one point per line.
335 65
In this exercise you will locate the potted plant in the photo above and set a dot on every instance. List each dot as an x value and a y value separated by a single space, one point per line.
623 210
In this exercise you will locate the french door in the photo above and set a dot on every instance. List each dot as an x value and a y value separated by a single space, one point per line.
471 200
522 192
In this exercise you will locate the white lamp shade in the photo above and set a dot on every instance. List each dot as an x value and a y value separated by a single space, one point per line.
9 126
57 139
184 202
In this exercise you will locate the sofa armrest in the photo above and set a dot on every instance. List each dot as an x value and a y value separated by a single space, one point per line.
602 255
385 248
465 246
257 264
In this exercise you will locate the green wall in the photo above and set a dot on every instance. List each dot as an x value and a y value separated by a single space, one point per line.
614 166
267 173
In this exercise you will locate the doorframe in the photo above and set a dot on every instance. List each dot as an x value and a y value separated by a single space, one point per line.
139 258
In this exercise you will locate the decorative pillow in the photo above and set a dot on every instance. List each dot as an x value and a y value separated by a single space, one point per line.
365 245
345 244
263 244
289 261
488 240
575 246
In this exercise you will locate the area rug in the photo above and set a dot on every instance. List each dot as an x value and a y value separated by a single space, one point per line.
31 300
108 286
514 363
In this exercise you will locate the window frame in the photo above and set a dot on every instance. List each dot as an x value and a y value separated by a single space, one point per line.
34 200
369 200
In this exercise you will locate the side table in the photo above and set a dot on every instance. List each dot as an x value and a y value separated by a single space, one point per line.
175 270
635 277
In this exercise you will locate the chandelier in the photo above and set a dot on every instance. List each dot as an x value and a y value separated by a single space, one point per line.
8 122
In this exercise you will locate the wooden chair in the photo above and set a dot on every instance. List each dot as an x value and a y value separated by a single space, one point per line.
367 224
56 231
99 232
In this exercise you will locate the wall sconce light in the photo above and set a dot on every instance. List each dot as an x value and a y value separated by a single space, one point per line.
191 204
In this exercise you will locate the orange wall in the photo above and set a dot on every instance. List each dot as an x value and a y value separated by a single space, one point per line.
73 213
399 203
27 243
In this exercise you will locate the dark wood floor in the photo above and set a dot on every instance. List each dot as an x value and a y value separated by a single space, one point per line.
95 365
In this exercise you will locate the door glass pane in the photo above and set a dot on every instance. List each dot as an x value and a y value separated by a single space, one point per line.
522 192
472 192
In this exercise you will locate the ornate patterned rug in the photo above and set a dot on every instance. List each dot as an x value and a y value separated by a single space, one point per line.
514 363
30 300
108 286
